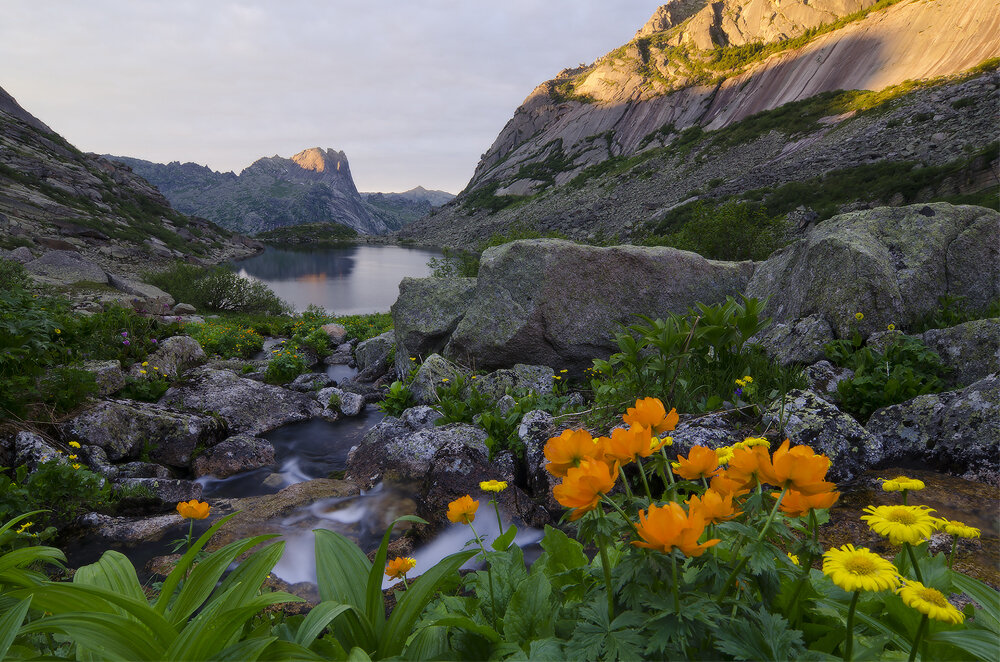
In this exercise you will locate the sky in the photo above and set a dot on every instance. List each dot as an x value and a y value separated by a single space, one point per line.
414 91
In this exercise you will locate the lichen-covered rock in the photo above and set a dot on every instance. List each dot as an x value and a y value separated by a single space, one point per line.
125 429
890 263
823 378
130 531
336 333
107 374
140 470
374 356
420 417
426 313
556 303
310 382
435 371
494 386
32 450
535 430
234 455
811 420
955 431
183 309
340 401
711 431
152 294
970 351
174 356
166 490
65 268
799 341
247 406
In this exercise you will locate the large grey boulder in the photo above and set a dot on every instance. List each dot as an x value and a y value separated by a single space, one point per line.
956 431
798 341
890 263
19 254
234 455
65 268
971 350
32 450
246 405
373 356
494 386
166 490
434 372
127 430
809 419
556 303
338 401
426 313
107 374
150 293
174 356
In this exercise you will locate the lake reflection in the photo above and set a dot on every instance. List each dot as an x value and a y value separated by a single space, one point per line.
349 280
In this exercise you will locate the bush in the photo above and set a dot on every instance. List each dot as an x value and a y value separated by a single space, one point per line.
728 231
284 366
226 339
218 289
454 263
62 490
12 275
398 399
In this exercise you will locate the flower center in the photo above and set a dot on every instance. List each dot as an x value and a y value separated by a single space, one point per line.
902 516
860 565
933 596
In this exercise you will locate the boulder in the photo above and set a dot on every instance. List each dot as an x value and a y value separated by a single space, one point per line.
426 313
556 303
166 490
956 431
971 351
174 356
420 417
19 254
890 263
32 450
140 470
148 292
341 402
183 309
130 531
494 386
65 268
335 332
310 382
711 430
126 429
799 341
234 455
823 378
374 356
107 374
811 420
535 430
247 406
435 371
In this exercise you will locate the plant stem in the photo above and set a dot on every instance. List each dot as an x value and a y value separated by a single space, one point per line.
676 591
763 532
606 567
628 488
620 512
645 483
489 573
667 467
906 494
921 629
849 645
496 508
913 561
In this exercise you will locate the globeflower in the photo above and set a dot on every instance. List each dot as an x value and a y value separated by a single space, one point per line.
797 504
713 506
627 445
701 462
798 468
568 450
668 527
399 566
583 486
650 413
463 509
193 509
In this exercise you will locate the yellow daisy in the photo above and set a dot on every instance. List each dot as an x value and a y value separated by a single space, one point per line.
493 485
960 529
724 453
900 483
930 602
859 569
912 524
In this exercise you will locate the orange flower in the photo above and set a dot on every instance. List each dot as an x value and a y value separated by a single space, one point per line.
799 469
746 463
463 509
193 509
628 445
725 485
797 504
701 462
583 486
568 449
399 566
650 413
714 507
668 526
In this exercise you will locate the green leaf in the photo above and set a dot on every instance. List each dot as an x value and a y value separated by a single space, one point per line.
358 655
504 541
316 621
251 573
114 572
469 625
529 613
979 643
180 570
109 636
374 607
339 566
763 636
10 623
413 601
428 643
987 599
246 650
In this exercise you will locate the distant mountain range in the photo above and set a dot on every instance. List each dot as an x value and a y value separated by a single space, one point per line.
314 186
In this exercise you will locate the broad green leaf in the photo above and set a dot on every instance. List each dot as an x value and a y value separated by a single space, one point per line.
28 555
247 650
10 623
180 570
374 607
251 573
982 644
109 636
529 613
340 564
316 621
468 625
358 655
413 601
988 600
429 643
504 541
114 572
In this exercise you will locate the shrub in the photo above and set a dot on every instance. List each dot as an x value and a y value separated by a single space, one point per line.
728 231
398 399
149 387
217 288
284 366
226 340
13 275
954 310
60 490
454 263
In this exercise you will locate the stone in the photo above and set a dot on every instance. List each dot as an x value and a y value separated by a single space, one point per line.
890 263
234 455
955 431
140 470
970 351
335 332
150 293
167 490
342 402
97 461
247 406
495 385
64 267
420 417
126 429
807 418
799 341
432 373
32 450
556 303
183 309
310 382
174 356
505 404
108 375
130 531
712 431
19 254
823 378
425 314
535 430
374 356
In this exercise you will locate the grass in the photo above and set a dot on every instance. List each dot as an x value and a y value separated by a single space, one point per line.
314 234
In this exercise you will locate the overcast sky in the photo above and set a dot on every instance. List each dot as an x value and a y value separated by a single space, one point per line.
414 91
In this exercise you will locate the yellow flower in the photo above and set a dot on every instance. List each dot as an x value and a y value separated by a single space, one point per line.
891 327
859 569
724 453
859 316
748 379
74 444
960 529
900 483
413 358
930 602
556 377
444 379
793 558
142 372
740 383
58 330
25 527
493 485
145 363
76 466
72 457
155 368
564 371
912 524
193 509
399 566
463 509
750 442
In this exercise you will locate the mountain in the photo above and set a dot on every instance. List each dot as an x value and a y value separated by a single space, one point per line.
55 197
314 186
713 100
407 206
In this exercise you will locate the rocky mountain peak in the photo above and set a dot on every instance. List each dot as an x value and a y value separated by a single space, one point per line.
318 160
670 15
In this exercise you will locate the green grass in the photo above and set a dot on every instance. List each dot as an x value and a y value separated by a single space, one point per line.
314 234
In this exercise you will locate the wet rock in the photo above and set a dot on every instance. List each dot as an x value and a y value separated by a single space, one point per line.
167 490
130 530
107 374
65 268
955 431
799 341
234 455
529 305
435 371
497 384
811 420
341 402
32 450
374 356
174 356
891 263
426 313
335 332
126 429
971 351
823 378
153 295
310 382
247 406
420 417
341 355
